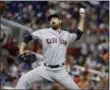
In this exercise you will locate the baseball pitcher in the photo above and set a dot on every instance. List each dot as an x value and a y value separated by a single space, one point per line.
55 42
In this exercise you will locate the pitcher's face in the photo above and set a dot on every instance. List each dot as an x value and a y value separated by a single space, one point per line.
55 23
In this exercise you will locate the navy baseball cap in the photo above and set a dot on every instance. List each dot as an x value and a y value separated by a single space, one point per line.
53 15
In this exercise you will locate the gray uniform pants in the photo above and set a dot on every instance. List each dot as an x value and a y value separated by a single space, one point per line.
40 73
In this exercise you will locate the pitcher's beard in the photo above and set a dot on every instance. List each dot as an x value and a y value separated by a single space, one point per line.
55 27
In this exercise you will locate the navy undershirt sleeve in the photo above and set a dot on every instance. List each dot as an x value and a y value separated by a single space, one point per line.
27 38
79 34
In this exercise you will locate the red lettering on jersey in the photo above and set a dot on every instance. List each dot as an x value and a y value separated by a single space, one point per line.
54 40
48 41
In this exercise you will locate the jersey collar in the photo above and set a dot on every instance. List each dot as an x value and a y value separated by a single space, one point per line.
55 32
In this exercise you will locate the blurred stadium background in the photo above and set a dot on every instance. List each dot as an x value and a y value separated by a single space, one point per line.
87 59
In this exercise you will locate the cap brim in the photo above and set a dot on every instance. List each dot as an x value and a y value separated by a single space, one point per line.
53 15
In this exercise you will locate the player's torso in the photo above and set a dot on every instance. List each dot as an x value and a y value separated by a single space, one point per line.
54 46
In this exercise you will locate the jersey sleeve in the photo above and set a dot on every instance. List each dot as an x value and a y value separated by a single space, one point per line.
72 37
37 34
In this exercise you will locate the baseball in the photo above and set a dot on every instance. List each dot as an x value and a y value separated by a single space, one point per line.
82 10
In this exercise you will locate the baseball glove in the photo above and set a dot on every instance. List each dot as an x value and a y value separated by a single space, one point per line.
27 57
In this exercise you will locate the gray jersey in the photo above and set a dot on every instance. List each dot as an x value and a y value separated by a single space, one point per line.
54 49
54 44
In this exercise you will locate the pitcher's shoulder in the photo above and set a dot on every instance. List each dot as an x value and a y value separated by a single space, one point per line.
43 30
65 32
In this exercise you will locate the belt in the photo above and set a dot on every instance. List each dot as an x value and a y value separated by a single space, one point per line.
54 66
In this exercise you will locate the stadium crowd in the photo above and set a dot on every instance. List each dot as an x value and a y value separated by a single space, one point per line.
92 55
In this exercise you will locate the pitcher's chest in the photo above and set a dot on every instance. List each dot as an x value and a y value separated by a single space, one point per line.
55 41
